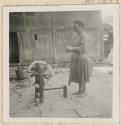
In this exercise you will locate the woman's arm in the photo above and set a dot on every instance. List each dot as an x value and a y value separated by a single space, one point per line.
81 47
73 49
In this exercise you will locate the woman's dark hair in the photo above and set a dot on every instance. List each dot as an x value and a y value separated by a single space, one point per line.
79 23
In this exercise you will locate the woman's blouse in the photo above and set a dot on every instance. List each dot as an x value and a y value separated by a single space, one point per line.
80 44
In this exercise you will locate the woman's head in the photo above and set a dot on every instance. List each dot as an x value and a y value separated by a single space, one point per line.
78 26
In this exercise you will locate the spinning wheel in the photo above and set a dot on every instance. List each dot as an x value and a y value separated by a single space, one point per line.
46 70
40 69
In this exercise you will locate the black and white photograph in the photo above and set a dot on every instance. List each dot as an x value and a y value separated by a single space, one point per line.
61 62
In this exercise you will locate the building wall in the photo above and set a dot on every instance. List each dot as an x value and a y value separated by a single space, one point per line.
54 33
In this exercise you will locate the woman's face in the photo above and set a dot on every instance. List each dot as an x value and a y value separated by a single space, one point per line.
77 29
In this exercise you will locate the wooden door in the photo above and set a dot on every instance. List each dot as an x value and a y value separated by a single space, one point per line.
13 48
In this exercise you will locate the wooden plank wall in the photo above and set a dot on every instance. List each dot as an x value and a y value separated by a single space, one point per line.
54 33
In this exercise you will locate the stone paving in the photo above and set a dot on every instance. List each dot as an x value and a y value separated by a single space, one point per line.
96 104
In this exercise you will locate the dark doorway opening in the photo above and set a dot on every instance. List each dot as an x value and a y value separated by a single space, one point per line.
13 48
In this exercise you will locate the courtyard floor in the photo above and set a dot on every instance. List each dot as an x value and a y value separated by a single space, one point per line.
97 103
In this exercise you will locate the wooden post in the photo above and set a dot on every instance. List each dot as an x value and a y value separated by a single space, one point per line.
39 84
65 91
53 31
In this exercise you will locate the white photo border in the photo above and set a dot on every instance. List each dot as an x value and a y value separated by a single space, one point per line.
105 7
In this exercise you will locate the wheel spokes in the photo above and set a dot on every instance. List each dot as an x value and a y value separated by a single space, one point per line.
46 70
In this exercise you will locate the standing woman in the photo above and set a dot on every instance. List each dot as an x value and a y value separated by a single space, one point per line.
79 69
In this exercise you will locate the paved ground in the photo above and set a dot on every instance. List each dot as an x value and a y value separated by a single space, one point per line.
96 104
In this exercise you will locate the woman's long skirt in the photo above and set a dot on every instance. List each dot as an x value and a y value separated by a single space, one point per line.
79 70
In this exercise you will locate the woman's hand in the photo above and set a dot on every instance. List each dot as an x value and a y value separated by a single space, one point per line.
68 49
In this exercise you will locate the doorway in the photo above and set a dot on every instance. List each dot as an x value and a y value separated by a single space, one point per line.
13 48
